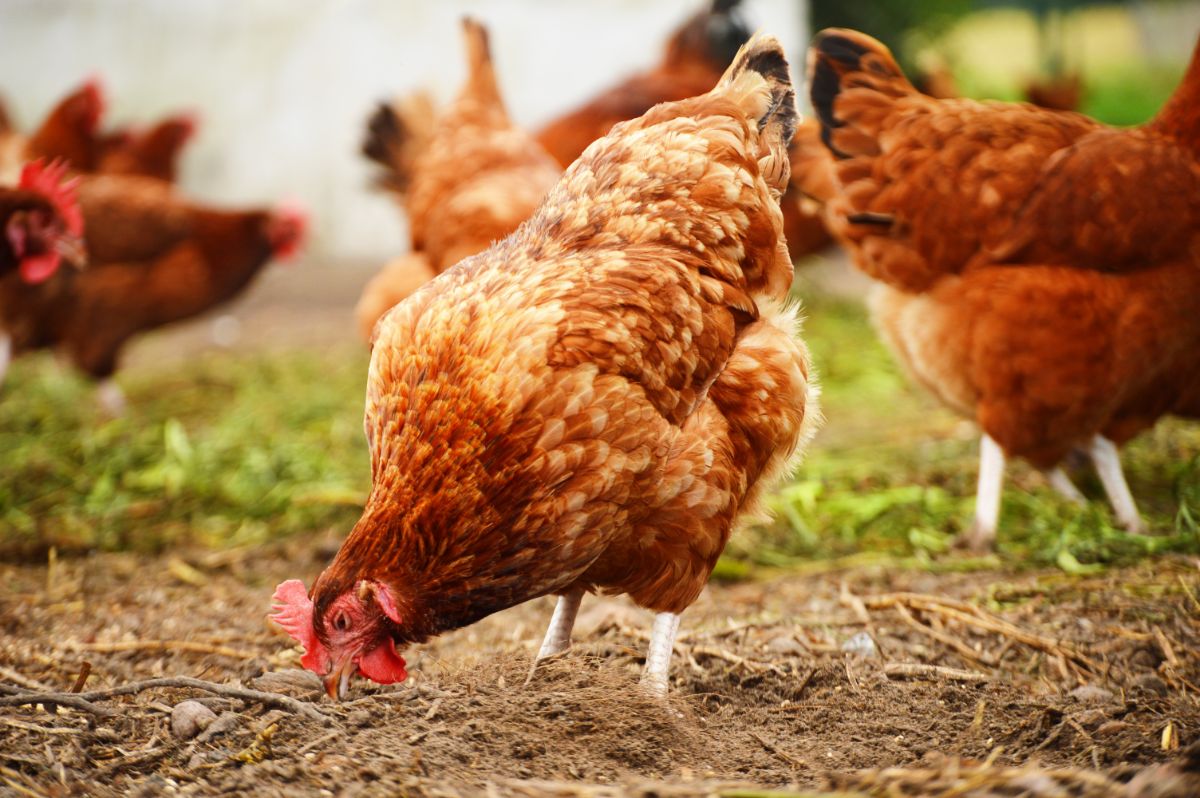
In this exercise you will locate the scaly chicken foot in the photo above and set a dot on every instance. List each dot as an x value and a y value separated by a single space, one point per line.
658 655
981 537
1107 460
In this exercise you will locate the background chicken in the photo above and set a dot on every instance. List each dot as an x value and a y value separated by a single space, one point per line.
70 133
1038 269
466 180
42 224
590 404
152 152
153 259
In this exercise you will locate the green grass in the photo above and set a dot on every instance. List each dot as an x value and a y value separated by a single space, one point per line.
236 449
226 450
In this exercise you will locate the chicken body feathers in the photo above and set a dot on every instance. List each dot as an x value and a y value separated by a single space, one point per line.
593 401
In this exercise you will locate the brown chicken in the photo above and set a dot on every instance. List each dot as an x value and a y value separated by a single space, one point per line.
694 58
153 259
1039 272
153 152
590 404
470 181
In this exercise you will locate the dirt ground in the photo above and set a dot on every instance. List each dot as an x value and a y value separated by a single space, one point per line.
863 680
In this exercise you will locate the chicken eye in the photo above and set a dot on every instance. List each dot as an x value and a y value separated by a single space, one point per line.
341 622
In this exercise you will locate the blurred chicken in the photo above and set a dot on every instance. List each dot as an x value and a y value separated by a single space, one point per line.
153 259
1039 271
399 278
467 183
153 152
695 57
69 134
590 404
1061 93
42 223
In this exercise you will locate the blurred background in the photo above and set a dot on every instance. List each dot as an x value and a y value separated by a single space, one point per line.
245 424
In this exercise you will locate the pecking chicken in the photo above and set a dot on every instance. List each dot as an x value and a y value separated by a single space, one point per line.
1038 271
42 223
588 405
466 182
153 259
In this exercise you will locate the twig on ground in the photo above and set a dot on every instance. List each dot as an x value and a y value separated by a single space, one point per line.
771 747
33 727
229 691
21 680
311 744
921 670
62 699
85 670
953 642
974 616
163 645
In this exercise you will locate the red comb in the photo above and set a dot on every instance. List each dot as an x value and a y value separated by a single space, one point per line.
294 614
51 182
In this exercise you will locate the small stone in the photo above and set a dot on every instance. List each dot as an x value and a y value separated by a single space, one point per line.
225 722
1091 694
359 718
189 718
860 644
785 644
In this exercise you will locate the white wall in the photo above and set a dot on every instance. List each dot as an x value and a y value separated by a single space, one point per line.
283 86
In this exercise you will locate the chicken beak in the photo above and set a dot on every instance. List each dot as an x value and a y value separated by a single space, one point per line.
72 250
337 682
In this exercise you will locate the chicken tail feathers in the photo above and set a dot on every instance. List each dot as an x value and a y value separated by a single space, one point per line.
481 74
841 60
764 56
397 133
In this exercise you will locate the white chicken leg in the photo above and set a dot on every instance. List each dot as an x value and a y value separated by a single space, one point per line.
1063 485
1107 460
658 655
982 535
5 354
110 398
558 634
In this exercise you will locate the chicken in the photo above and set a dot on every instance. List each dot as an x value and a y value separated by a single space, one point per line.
590 404
468 182
153 152
1062 92
153 259
694 58
1039 272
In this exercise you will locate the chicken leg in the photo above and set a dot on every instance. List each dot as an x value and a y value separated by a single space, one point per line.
1063 485
982 535
110 398
1107 460
5 354
558 634
658 655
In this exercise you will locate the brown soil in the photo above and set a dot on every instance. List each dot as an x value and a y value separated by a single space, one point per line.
1058 683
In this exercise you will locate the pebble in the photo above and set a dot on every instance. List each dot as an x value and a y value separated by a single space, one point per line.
1091 694
784 644
860 644
1111 727
189 718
